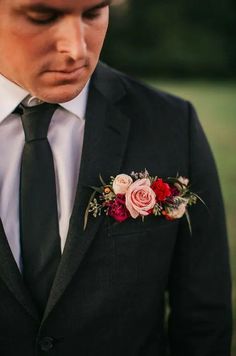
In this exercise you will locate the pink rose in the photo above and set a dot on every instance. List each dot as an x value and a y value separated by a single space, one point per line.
117 208
178 212
121 183
140 198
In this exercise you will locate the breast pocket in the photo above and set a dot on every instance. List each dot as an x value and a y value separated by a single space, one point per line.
142 251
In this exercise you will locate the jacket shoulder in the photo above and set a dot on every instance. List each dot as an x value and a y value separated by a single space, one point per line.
143 95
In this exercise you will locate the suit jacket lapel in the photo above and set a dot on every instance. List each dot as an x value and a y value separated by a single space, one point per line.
10 274
105 138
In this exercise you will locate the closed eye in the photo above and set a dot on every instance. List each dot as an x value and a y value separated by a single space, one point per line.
92 14
42 18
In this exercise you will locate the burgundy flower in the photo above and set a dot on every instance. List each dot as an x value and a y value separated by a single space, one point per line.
174 191
117 208
161 189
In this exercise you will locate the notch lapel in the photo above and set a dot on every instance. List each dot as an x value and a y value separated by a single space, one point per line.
11 276
105 140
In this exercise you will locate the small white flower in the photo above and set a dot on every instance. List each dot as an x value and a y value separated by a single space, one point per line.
121 183
183 180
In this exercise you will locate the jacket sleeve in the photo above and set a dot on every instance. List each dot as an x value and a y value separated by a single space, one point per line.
199 321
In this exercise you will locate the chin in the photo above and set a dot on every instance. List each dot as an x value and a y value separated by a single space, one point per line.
60 94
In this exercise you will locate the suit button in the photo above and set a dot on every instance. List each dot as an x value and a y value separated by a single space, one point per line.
46 343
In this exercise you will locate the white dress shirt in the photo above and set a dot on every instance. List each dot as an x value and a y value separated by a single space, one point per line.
65 136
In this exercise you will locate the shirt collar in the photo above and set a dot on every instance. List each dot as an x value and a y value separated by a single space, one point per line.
12 95
77 106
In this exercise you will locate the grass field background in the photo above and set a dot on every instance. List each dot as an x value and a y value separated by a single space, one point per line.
215 103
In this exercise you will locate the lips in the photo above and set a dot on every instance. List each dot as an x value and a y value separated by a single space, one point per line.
67 71
66 74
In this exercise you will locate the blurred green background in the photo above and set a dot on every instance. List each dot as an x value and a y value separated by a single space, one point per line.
187 47
173 38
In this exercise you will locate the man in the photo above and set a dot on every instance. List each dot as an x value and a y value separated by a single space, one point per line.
99 291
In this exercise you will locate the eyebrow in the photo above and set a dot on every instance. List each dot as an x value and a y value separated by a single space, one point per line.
42 8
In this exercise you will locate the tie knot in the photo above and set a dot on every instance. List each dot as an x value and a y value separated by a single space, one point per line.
36 120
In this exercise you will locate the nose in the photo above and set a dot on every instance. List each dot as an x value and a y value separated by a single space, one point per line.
71 39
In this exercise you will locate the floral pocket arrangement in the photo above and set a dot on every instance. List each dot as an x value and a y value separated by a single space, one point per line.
139 195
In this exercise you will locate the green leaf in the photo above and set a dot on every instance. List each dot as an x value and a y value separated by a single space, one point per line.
101 180
189 221
87 209
201 200
97 189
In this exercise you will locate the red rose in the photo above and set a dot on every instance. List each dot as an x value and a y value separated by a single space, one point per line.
117 209
161 189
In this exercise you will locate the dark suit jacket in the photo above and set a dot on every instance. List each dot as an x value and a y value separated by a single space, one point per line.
114 280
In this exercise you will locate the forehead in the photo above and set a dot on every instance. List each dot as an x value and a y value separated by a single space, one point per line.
58 4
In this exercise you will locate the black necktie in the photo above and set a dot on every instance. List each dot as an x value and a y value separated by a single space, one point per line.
40 240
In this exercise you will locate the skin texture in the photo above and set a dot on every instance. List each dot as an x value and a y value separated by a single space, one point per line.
51 48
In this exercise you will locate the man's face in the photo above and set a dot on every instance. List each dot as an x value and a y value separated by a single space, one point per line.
51 47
